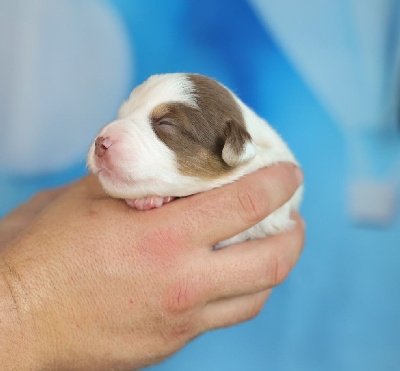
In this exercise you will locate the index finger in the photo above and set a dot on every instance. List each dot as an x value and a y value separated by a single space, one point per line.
221 213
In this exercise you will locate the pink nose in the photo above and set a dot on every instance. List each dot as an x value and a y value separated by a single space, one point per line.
101 145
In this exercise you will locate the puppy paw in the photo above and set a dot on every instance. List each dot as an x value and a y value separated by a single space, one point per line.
148 203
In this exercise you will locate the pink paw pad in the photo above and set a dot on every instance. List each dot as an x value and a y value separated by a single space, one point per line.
148 203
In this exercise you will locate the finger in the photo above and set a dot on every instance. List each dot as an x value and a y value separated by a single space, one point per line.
226 211
229 312
255 265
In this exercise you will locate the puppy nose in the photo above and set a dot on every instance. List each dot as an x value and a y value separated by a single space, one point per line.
101 145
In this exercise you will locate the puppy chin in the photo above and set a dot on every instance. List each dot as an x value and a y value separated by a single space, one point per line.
114 185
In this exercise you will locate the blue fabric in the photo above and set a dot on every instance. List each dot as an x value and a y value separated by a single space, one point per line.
340 307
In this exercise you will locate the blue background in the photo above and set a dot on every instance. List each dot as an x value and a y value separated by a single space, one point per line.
340 307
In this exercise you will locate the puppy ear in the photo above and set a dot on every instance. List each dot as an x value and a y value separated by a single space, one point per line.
238 147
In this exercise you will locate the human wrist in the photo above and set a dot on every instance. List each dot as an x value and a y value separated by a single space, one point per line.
22 345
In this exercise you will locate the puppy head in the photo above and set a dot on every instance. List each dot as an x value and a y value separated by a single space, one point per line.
174 136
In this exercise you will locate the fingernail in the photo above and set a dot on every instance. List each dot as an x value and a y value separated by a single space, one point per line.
299 175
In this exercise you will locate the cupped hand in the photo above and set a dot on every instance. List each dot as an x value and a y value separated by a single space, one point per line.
96 285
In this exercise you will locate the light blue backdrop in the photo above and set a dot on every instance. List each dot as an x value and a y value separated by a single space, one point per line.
340 307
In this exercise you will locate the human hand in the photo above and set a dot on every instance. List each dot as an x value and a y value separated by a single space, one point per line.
97 285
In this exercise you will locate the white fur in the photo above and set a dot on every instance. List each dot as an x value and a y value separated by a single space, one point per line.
148 167
230 157
173 87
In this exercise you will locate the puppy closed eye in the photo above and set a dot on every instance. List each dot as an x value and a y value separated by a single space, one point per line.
165 127
164 122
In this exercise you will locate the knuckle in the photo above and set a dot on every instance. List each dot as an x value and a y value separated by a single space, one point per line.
180 298
282 270
181 329
164 244
275 269
179 312
170 236
253 205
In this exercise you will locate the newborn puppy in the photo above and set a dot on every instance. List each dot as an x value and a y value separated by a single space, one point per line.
179 134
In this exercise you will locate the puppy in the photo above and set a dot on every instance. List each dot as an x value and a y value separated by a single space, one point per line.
179 134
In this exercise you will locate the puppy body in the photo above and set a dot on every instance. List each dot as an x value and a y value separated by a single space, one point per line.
181 134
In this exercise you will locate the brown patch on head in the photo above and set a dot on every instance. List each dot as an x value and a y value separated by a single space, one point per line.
159 112
198 135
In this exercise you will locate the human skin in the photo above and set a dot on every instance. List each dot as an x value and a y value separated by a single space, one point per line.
86 283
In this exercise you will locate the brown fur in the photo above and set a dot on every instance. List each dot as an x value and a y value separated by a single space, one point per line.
198 135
